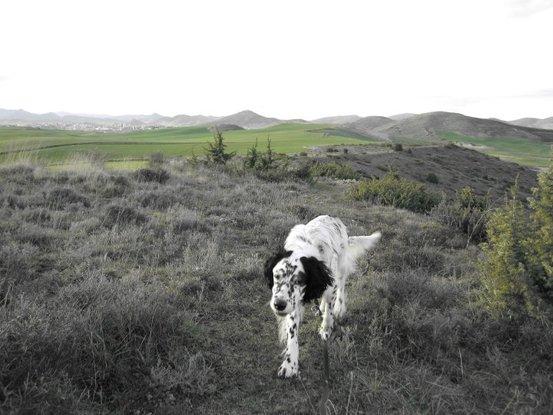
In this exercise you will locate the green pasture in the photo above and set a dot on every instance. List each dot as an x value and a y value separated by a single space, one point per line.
518 150
55 146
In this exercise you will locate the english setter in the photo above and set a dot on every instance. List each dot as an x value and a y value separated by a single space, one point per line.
316 260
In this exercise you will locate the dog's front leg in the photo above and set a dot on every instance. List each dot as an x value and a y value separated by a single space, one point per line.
290 326
327 309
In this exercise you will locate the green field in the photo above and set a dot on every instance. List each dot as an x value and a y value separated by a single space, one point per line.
55 146
126 150
518 150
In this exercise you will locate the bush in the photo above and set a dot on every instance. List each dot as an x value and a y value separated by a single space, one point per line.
216 152
58 198
466 212
267 159
518 264
396 191
398 147
432 178
252 157
152 175
503 268
117 214
334 170
540 242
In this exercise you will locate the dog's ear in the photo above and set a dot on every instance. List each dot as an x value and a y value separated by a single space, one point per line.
317 278
271 263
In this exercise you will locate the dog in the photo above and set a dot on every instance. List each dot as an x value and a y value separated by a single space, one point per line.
315 263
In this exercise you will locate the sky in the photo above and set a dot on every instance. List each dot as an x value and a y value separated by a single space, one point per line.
280 58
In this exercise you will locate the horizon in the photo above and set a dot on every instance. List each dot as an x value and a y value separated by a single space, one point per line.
285 59
108 116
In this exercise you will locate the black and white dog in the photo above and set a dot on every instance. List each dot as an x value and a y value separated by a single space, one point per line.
316 260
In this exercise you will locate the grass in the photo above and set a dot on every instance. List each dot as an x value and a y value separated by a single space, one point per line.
119 294
54 146
519 150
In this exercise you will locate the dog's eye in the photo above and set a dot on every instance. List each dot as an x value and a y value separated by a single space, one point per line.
300 278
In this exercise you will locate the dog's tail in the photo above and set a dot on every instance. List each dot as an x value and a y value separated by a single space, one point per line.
357 246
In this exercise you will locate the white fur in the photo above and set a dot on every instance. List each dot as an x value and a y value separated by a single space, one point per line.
326 239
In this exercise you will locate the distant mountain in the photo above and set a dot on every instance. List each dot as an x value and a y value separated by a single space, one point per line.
248 119
545 123
401 117
338 119
183 120
430 126
367 125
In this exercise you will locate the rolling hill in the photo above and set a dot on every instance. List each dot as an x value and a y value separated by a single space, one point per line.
339 119
545 123
430 126
248 120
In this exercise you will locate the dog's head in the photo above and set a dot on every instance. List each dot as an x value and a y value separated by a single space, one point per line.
293 279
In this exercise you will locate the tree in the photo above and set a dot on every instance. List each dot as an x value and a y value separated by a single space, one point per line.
540 242
252 157
268 158
216 151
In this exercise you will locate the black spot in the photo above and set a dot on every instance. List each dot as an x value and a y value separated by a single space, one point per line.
317 278
321 249
271 263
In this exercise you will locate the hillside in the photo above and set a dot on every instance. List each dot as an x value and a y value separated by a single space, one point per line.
453 166
339 119
248 120
142 293
368 125
430 126
544 123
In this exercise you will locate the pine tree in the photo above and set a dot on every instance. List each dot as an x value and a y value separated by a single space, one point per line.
216 152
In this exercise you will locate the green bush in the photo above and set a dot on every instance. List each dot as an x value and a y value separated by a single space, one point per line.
152 175
467 212
396 191
334 170
252 157
540 241
432 178
216 152
504 265
518 264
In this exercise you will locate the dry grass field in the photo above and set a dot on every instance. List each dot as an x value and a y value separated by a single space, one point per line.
141 292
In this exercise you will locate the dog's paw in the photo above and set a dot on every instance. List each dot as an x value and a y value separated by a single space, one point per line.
325 333
288 370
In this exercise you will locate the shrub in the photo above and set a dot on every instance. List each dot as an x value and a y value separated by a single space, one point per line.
503 268
216 152
518 263
303 154
156 159
396 191
331 150
267 159
398 147
117 214
432 178
152 175
252 157
540 242
466 212
334 170
58 198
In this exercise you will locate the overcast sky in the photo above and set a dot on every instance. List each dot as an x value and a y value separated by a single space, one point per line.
282 58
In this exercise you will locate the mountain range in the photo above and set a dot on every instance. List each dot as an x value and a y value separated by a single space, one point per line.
416 126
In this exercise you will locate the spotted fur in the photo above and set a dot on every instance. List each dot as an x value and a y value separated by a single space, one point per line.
316 260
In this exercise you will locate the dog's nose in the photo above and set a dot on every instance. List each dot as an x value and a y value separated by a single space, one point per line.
280 305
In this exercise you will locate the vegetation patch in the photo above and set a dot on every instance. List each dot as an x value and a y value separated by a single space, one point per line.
395 191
